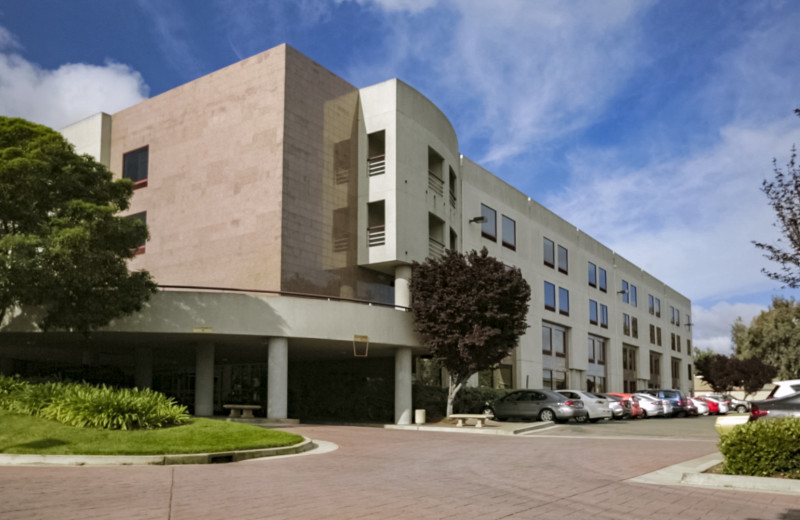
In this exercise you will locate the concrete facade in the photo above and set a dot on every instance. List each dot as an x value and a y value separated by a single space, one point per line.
285 207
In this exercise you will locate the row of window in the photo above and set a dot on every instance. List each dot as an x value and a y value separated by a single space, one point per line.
597 277
629 294
550 299
489 227
598 318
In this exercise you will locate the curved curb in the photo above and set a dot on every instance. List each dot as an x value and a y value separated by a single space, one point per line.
11 459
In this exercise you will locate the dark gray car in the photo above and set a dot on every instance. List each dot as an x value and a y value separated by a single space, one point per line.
786 406
541 404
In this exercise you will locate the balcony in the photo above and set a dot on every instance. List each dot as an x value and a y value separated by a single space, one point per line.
377 165
376 235
435 248
435 184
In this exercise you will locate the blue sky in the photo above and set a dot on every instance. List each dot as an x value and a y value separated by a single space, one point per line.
649 125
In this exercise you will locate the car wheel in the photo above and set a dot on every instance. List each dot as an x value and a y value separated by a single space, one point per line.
644 414
547 415
581 419
741 408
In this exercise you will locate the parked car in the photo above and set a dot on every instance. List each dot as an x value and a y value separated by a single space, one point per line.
620 408
636 409
541 404
737 405
723 405
680 406
713 404
701 405
597 407
783 388
786 406
652 406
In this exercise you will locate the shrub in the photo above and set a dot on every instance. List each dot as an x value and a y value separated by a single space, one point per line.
469 400
84 405
763 448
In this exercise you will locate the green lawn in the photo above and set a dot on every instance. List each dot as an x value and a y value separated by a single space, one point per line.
33 435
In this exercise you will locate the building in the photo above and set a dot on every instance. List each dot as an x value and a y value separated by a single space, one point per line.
285 207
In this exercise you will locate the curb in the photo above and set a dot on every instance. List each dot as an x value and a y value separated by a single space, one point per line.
486 430
10 459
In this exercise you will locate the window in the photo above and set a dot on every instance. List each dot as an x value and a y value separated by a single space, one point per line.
376 153
672 340
677 317
134 166
625 292
676 373
554 379
604 316
376 225
553 340
549 296
595 384
592 275
689 373
651 304
452 187
635 327
509 233
678 342
658 336
652 334
140 248
563 261
549 253
597 350
593 312
489 224
602 279
563 301
634 297
658 308
626 324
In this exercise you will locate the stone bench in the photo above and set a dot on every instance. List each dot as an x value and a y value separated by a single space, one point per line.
244 411
480 419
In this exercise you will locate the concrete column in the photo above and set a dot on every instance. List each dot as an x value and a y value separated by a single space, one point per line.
278 378
204 380
402 293
402 386
144 367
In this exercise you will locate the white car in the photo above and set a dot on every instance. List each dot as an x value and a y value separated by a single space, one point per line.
651 406
702 407
598 407
783 388
723 405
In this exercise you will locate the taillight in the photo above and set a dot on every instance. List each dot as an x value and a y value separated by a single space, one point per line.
755 413
570 403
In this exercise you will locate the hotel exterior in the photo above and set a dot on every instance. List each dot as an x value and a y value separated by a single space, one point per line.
285 208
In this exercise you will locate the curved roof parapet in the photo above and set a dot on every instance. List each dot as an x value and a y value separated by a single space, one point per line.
408 101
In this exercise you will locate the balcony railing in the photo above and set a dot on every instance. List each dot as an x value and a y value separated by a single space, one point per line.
377 164
376 235
435 248
435 184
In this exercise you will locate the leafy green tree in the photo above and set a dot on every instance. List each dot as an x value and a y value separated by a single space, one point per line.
470 310
753 374
783 193
724 373
774 338
63 246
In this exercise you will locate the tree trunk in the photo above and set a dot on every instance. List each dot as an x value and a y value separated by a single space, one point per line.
454 387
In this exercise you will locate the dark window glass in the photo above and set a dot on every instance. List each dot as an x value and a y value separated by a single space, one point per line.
563 301
592 275
626 324
593 312
634 296
625 292
134 166
549 296
509 233
547 342
559 343
651 304
635 327
604 316
563 261
549 253
602 279
489 225
658 307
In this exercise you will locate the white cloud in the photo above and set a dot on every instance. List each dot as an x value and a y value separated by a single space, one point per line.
67 94
411 6
712 327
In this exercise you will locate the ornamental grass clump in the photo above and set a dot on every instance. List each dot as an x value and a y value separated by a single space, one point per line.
764 448
87 406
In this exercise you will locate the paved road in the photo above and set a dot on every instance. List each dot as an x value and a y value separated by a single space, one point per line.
572 471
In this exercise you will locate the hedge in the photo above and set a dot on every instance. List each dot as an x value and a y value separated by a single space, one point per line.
763 448
89 406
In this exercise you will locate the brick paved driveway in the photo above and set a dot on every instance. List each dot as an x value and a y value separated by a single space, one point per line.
379 473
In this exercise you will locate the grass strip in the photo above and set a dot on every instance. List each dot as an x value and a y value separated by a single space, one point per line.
34 435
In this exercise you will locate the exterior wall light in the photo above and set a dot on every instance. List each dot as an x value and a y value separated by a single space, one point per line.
479 220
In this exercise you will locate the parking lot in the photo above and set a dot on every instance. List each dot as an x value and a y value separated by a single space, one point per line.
570 471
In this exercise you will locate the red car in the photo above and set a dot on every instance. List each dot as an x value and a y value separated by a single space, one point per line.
713 406
636 410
